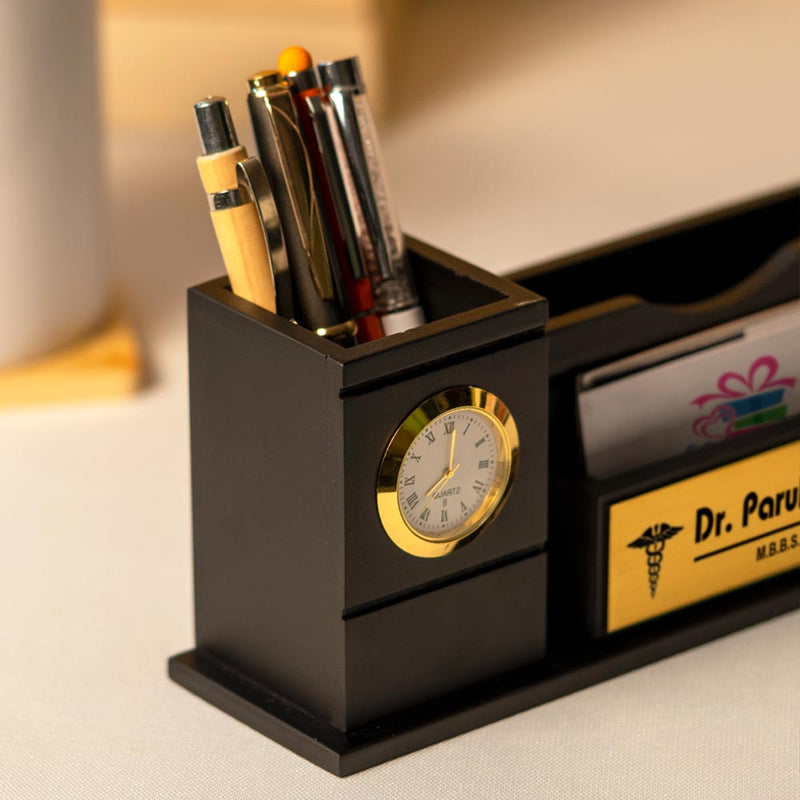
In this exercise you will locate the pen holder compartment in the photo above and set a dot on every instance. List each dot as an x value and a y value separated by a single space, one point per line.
617 300
299 591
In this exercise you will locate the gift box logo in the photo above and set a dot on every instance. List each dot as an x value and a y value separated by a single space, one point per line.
742 403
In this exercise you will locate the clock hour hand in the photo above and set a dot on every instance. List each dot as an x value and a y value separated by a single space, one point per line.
451 472
452 449
431 493
438 483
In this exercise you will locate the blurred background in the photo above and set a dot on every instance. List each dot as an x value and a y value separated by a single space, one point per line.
512 132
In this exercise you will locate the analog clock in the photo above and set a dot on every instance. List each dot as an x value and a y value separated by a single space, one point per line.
447 470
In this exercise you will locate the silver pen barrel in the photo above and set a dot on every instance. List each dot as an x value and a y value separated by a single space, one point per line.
348 210
393 283
317 296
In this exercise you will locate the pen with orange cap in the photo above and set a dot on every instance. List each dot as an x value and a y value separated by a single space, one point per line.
349 248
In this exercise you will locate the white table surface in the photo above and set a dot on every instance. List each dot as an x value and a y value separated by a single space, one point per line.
594 140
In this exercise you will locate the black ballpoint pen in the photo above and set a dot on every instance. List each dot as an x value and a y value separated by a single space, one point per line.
318 298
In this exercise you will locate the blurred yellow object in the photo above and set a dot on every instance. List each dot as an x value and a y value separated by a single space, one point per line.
105 364
294 59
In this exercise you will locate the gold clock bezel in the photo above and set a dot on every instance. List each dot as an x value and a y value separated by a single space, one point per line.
406 537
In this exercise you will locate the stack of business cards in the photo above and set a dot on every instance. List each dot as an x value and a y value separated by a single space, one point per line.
692 392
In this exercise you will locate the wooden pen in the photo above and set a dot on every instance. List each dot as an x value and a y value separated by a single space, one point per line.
239 229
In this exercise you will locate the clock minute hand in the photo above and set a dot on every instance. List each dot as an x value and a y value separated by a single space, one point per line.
452 449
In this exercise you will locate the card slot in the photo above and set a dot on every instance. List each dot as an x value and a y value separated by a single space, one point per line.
623 325
615 324
689 261
612 301
681 395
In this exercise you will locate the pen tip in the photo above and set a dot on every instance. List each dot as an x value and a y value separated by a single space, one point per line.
294 59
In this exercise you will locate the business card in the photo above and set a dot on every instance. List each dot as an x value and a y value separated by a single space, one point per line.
728 381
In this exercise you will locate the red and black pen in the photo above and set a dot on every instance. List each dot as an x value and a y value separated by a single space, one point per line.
340 210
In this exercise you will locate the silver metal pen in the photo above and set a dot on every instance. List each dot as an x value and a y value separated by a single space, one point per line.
393 284
340 207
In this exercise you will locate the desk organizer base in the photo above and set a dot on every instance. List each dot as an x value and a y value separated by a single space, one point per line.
347 753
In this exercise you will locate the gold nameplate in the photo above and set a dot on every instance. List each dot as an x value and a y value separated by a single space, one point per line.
703 536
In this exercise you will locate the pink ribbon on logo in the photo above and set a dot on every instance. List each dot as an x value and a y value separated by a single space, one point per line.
716 425
732 384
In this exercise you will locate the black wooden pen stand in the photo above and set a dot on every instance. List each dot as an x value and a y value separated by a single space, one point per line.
312 625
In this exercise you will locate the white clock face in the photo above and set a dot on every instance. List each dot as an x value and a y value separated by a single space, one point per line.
452 475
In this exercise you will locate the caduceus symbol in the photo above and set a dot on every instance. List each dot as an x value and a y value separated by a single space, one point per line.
654 540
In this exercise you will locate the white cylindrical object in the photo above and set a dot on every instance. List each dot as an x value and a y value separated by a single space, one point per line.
54 285
399 321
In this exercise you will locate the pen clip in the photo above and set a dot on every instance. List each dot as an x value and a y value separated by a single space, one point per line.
253 180
306 206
